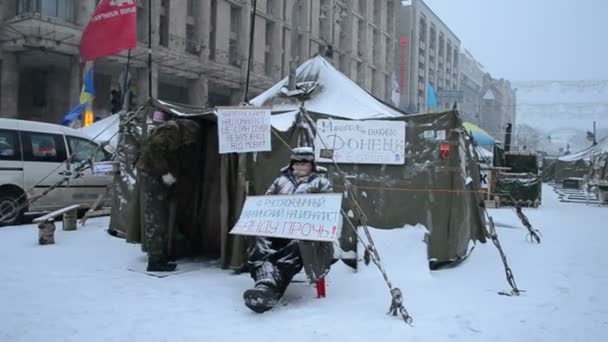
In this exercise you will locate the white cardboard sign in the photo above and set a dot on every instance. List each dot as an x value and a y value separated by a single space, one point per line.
243 129
360 142
314 217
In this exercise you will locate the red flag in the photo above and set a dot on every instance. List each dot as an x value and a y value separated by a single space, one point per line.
113 28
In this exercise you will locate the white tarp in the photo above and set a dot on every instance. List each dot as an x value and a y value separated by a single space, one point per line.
335 94
104 130
360 142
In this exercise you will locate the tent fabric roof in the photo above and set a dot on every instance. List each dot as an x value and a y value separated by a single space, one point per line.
104 130
587 153
335 94
481 137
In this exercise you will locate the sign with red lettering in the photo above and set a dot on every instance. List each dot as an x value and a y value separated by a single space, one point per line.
314 217
243 129
360 142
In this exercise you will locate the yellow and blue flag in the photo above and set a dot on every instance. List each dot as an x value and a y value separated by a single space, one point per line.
83 110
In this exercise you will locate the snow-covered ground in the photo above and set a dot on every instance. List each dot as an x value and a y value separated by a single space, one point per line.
81 290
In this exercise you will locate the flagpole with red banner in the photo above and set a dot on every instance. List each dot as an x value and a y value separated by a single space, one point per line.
112 29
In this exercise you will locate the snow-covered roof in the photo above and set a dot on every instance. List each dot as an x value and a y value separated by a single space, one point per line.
586 154
335 94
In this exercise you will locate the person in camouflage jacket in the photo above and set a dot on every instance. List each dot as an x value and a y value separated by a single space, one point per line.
273 262
159 164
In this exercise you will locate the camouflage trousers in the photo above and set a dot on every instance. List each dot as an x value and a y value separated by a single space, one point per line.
155 209
274 261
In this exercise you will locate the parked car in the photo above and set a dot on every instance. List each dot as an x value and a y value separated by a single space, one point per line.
32 156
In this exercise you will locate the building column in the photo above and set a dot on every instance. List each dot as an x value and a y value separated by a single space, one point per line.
141 78
84 11
236 97
203 28
141 81
9 86
243 39
75 81
198 92
178 16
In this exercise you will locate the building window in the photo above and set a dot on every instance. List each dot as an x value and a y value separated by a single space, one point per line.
360 74
270 6
325 20
233 45
163 27
377 13
390 14
300 48
376 48
361 37
212 30
343 65
191 8
235 20
191 43
142 24
362 6
63 9
268 60
422 29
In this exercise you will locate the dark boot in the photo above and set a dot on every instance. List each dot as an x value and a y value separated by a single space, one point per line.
160 264
261 298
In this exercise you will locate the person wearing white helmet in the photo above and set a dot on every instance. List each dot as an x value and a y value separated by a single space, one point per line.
273 262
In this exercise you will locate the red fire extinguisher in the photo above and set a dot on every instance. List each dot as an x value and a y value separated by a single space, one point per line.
444 149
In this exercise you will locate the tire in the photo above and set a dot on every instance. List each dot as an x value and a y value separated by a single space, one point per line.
9 202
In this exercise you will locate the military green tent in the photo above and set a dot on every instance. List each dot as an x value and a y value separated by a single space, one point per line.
209 200
439 190
441 193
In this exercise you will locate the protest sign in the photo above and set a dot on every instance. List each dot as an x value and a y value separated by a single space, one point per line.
243 129
314 217
361 142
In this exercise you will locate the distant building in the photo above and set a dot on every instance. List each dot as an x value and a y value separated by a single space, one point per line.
471 84
427 53
498 106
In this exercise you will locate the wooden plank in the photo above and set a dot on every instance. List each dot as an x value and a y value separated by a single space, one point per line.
52 215
101 212
93 208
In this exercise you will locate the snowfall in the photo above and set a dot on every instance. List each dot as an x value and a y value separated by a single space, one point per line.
81 289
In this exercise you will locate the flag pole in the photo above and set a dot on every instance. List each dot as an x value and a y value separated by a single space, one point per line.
150 49
124 84
250 57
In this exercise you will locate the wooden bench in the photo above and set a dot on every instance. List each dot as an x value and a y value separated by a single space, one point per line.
46 223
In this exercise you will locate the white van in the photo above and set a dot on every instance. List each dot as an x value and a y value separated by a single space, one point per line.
32 156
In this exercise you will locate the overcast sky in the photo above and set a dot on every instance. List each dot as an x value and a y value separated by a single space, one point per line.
523 40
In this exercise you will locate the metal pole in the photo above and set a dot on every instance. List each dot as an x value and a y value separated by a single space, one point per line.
250 57
149 49
594 132
293 63
124 83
